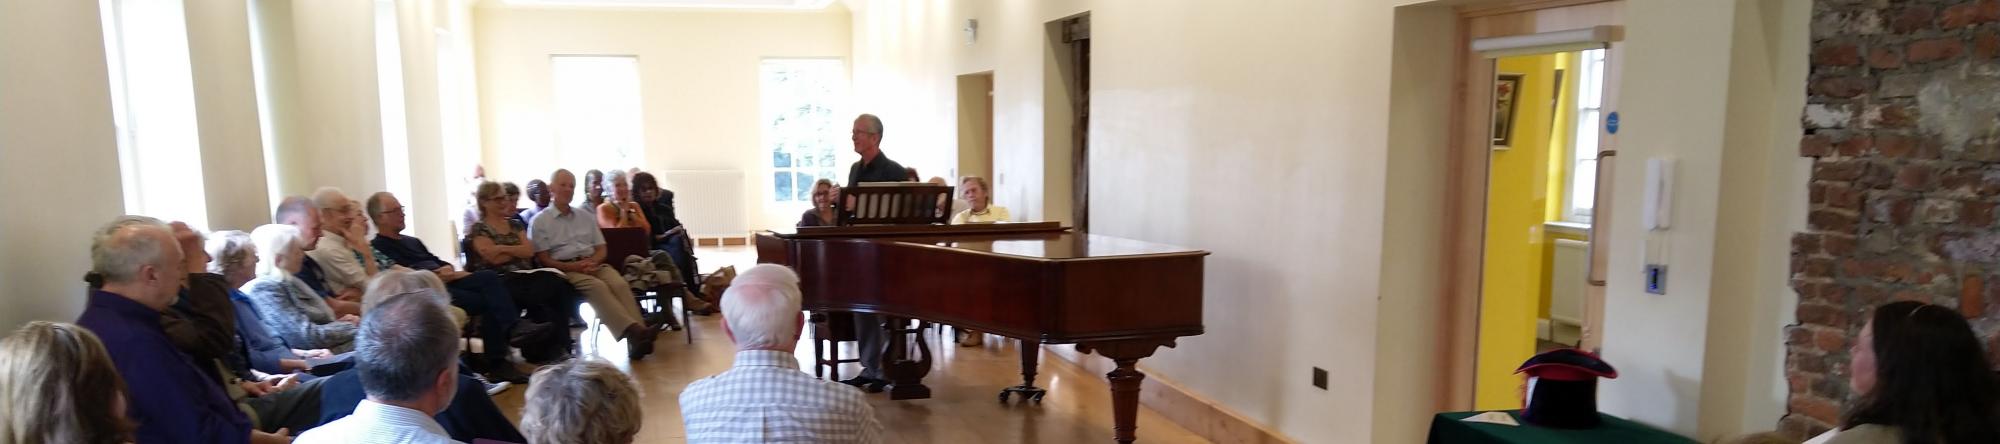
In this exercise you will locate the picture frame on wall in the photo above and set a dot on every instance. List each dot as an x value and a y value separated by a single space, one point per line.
1506 101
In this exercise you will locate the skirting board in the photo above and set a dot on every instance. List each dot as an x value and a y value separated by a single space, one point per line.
1191 411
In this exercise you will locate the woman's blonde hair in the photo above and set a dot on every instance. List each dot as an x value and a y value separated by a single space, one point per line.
982 185
583 400
486 190
58 385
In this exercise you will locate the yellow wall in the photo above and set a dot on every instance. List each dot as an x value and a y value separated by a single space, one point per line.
1513 283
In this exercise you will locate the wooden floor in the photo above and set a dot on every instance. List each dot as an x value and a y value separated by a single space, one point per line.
964 383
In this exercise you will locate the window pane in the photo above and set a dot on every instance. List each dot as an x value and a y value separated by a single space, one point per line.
598 124
782 184
798 100
1583 190
152 88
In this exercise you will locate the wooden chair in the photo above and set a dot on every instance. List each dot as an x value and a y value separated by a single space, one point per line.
829 330
620 243
896 203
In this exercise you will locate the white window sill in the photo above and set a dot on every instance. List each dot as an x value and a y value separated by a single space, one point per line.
1565 227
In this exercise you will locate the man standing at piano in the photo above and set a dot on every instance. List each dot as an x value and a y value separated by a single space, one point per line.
873 167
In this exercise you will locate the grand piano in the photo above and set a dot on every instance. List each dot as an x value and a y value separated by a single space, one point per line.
1038 282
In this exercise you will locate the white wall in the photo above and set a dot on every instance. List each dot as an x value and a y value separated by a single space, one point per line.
698 82
225 92
58 154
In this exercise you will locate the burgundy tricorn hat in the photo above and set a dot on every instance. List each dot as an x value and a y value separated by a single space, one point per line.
1562 388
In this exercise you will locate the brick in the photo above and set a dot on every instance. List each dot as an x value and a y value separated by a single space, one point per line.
1890 210
1963 15
1885 57
1839 169
1837 245
1921 51
1901 85
1972 296
1837 54
1840 195
1855 146
1976 215
1832 220
1815 145
1916 176
1859 268
1816 268
1798 336
1890 116
1815 314
1895 145
1844 87
1989 10
1911 18
1986 45
1805 243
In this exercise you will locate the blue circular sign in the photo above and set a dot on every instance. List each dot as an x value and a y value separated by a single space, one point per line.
1611 123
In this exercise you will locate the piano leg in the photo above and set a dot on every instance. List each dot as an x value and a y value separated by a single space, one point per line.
1125 380
906 376
1031 354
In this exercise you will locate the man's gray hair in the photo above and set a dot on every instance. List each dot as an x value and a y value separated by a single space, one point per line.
328 197
762 308
403 345
375 204
582 400
874 123
228 250
389 284
118 256
292 209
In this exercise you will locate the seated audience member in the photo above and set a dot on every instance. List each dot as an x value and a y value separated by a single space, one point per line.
287 306
979 196
480 293
499 244
822 213
407 358
58 385
300 213
669 234
173 401
1921 377
538 193
342 252
620 211
201 322
235 258
765 398
513 201
593 191
471 413
568 239
582 401
950 204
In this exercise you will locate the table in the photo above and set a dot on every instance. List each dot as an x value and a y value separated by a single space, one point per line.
1446 428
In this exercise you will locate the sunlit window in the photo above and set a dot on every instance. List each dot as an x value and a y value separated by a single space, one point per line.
801 129
598 124
152 102
1583 156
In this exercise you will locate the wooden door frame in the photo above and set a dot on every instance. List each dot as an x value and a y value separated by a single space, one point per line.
1467 162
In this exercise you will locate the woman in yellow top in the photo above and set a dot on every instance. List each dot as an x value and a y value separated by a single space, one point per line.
979 196
620 211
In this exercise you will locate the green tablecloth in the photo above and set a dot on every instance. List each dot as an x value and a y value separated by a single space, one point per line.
1446 428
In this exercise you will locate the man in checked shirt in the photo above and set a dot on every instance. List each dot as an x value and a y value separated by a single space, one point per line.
765 397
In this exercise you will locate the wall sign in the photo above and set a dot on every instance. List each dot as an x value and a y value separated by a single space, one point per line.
1611 123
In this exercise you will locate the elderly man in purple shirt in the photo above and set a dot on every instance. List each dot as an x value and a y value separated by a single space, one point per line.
143 269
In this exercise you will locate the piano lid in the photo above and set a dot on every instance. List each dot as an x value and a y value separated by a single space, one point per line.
1027 240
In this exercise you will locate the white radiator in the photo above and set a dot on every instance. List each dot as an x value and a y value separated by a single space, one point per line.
1566 296
709 202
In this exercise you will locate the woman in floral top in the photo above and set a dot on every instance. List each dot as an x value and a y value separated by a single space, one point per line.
499 243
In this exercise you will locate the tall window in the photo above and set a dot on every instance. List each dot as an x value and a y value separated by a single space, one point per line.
801 129
598 125
1583 155
152 103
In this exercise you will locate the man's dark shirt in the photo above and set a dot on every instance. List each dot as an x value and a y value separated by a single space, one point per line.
880 170
310 273
407 251
169 396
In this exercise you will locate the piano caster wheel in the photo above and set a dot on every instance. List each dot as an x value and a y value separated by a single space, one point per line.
1004 395
1038 397
1028 393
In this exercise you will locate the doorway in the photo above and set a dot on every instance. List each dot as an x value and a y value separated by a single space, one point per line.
975 126
1540 85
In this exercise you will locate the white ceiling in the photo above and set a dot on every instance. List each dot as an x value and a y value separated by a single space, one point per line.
796 5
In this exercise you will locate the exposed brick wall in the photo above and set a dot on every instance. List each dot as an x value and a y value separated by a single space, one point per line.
1903 121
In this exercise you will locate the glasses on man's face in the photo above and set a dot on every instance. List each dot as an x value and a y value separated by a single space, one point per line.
396 210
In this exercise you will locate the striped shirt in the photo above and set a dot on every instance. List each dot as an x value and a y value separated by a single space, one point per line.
767 399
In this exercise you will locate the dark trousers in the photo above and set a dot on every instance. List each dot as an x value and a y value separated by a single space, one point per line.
681 248
296 408
548 297
481 294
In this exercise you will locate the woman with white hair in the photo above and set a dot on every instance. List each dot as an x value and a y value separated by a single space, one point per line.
235 258
979 196
620 211
287 305
583 400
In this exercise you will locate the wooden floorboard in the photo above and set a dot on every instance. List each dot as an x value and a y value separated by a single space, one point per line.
964 384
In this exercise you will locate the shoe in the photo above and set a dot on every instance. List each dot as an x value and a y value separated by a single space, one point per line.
663 319
492 388
639 341
867 384
505 372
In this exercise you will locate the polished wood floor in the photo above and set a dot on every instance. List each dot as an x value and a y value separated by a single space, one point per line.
964 384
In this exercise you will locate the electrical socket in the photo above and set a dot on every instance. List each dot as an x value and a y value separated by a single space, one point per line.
1319 378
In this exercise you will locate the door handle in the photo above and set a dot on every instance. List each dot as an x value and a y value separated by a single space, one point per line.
1598 219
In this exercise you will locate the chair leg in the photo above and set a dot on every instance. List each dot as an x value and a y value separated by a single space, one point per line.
687 317
819 361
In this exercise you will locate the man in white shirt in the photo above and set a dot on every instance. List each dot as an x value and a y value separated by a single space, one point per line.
567 239
342 251
407 358
765 397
